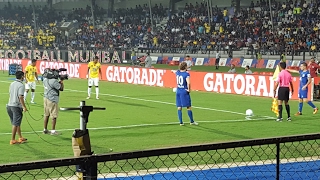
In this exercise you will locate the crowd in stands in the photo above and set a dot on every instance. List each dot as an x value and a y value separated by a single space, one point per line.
294 28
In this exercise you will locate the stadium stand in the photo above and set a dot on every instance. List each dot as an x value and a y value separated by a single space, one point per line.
295 28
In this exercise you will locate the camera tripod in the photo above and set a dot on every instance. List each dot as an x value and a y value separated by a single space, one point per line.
81 140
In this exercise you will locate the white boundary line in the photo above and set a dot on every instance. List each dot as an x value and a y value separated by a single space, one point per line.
155 101
148 125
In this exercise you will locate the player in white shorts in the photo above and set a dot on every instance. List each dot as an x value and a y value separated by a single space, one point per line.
94 72
31 77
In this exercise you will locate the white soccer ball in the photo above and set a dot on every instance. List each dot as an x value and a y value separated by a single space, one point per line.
249 112
174 89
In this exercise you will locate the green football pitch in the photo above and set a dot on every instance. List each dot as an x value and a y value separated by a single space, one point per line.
143 117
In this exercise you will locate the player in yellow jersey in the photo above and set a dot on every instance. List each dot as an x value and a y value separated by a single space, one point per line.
94 72
31 77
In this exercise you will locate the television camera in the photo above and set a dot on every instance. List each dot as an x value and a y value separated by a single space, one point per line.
55 74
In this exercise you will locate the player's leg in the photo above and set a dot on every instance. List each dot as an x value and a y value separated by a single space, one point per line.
33 90
96 84
286 102
190 114
27 87
186 102
300 106
90 83
17 119
280 102
46 116
217 63
179 106
315 109
54 114
14 128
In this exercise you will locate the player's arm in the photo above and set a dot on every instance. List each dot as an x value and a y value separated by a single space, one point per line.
26 73
291 85
88 71
309 82
58 85
293 71
26 78
100 72
36 75
174 71
188 83
276 86
21 98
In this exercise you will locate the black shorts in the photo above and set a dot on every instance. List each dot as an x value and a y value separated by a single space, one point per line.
283 93
217 61
15 114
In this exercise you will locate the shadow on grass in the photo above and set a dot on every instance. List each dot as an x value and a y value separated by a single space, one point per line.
39 154
127 103
216 131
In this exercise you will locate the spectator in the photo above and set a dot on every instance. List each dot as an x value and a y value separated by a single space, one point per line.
189 62
232 69
295 28
217 59
247 70
147 62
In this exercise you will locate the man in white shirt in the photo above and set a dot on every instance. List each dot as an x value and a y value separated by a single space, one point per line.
247 70
217 59
232 69
189 62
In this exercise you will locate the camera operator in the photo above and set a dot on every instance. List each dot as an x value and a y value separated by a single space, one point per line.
52 88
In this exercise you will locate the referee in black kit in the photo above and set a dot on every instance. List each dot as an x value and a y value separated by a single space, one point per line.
284 81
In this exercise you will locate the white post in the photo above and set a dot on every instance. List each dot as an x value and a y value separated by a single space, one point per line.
312 89
82 120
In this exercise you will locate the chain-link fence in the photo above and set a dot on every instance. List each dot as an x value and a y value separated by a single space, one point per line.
294 157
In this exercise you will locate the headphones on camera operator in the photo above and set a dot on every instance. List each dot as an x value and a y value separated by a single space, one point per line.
54 74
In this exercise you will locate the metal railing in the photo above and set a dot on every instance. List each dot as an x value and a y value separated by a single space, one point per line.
292 157
245 53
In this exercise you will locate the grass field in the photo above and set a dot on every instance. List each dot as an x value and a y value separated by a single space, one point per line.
144 117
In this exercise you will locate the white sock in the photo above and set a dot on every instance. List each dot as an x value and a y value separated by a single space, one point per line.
97 91
89 92
25 96
32 96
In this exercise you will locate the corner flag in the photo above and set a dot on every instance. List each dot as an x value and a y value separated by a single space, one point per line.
274 107
276 73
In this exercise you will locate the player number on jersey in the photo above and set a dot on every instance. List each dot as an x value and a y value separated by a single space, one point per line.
180 82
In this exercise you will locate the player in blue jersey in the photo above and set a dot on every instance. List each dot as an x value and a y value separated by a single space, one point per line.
183 92
305 80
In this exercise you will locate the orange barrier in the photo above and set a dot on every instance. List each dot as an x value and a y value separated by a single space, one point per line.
251 84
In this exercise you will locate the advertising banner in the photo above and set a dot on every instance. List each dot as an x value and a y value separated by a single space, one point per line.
251 85
111 56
